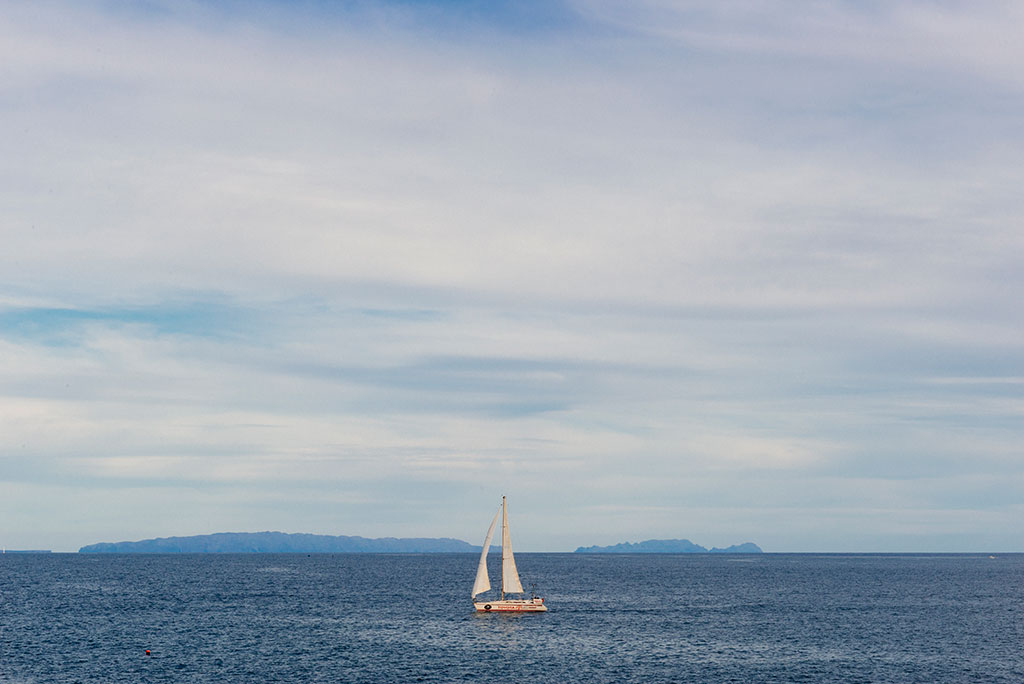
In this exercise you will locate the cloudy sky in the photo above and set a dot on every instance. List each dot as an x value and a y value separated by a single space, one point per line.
724 271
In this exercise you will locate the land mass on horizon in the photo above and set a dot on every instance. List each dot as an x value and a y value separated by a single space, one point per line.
281 542
285 542
669 546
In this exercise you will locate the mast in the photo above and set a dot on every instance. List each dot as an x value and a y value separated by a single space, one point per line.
504 532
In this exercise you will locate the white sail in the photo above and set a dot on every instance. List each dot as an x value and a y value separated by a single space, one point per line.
483 582
509 575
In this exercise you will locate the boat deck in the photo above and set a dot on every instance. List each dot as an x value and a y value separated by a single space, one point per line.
533 605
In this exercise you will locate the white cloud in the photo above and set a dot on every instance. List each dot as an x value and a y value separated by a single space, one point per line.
700 245
977 38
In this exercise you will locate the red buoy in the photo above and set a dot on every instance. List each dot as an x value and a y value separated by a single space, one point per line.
147 651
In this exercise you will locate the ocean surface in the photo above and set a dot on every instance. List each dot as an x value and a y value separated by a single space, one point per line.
613 618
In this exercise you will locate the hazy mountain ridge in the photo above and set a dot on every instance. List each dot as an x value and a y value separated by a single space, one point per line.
281 542
668 546
284 542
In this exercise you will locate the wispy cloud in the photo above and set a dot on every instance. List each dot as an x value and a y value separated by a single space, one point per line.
736 268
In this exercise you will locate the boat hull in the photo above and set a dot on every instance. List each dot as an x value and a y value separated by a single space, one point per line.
534 605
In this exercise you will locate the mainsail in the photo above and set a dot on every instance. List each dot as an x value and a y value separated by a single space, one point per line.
509 575
483 583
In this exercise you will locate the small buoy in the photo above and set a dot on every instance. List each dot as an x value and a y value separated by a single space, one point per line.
147 651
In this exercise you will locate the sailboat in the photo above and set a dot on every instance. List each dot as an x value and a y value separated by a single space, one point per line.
509 575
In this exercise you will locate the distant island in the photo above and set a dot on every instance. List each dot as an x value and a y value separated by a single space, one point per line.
281 542
668 546
284 542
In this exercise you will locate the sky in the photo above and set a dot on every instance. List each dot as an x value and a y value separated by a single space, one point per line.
724 271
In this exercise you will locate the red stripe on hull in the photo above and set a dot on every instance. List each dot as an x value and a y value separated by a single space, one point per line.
511 607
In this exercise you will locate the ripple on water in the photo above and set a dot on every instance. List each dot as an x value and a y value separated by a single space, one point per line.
379 618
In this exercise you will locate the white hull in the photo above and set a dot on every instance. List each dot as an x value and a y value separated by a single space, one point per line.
534 605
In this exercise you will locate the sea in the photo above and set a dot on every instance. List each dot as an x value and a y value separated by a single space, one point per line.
612 618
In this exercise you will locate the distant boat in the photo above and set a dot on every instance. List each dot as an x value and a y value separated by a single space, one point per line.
509 575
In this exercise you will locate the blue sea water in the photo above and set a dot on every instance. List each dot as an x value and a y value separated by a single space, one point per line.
613 618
